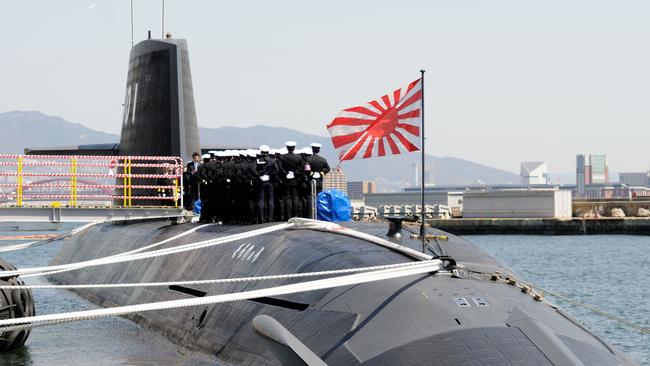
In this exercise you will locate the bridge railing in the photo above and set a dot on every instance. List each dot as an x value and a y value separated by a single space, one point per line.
88 180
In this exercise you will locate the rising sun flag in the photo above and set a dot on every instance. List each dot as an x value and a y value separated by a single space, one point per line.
389 125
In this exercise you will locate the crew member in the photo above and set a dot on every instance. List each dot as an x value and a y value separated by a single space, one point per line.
265 170
193 184
205 177
291 168
316 166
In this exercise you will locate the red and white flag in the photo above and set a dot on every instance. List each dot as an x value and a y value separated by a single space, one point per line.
389 125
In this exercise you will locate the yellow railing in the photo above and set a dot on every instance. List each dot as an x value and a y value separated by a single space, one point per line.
19 189
79 179
73 182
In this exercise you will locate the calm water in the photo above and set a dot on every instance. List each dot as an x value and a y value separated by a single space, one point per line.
610 272
108 341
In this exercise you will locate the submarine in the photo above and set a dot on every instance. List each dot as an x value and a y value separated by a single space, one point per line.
470 310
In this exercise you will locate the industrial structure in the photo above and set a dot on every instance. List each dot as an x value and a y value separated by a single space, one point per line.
336 180
534 172
356 189
636 179
533 203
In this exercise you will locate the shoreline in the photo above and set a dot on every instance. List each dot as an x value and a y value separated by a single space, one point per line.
520 226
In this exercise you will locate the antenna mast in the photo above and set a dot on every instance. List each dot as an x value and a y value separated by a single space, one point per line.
162 31
131 23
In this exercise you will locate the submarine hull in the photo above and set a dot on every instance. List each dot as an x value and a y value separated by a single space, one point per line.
438 319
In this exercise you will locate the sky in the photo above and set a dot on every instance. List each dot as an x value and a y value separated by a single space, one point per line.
506 81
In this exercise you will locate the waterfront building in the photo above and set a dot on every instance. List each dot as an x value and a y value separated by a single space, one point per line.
356 189
580 175
590 169
534 172
640 179
599 168
517 203
336 180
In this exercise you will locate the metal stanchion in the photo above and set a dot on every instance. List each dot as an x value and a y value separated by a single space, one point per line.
314 198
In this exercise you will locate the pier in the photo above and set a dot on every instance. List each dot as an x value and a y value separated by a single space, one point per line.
532 226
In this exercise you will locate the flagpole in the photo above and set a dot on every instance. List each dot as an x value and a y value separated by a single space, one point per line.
424 211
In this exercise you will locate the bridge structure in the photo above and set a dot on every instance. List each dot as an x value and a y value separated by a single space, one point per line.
84 188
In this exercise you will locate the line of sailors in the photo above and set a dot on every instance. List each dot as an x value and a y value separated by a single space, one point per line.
256 186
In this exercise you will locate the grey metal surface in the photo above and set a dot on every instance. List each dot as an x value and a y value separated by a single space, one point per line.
85 214
408 321
108 149
159 112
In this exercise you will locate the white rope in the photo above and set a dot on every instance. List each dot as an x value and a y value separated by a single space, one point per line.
213 281
30 272
334 228
132 256
339 281
178 236
10 248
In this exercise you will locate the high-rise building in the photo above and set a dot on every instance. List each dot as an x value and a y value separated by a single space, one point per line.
635 179
599 168
357 189
534 172
581 179
336 180
590 169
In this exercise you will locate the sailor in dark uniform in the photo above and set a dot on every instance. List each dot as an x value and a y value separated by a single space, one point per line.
278 188
318 166
291 172
193 187
265 170
206 189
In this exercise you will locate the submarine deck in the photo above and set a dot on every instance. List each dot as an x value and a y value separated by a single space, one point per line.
444 318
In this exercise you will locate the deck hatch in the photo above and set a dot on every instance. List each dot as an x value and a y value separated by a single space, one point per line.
462 302
480 302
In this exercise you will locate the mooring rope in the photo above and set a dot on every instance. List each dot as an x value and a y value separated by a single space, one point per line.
134 255
640 328
123 257
209 282
338 281
528 287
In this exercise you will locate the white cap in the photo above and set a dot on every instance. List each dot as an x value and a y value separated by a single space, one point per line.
291 143
316 144
205 156
283 150
265 148
274 151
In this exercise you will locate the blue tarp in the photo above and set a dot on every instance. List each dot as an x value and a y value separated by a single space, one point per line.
197 207
334 205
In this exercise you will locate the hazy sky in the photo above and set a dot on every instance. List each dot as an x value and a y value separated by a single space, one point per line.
506 80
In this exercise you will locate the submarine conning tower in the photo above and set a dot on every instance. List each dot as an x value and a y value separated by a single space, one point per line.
159 113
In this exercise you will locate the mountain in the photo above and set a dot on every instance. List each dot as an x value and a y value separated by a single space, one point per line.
390 173
34 129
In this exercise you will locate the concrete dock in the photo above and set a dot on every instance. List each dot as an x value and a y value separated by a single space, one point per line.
573 226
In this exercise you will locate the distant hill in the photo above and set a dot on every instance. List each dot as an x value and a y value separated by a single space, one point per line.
391 173
34 129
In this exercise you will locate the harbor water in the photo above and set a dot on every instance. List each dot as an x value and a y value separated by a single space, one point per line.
609 272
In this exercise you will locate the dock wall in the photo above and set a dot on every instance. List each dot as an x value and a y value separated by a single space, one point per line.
574 226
